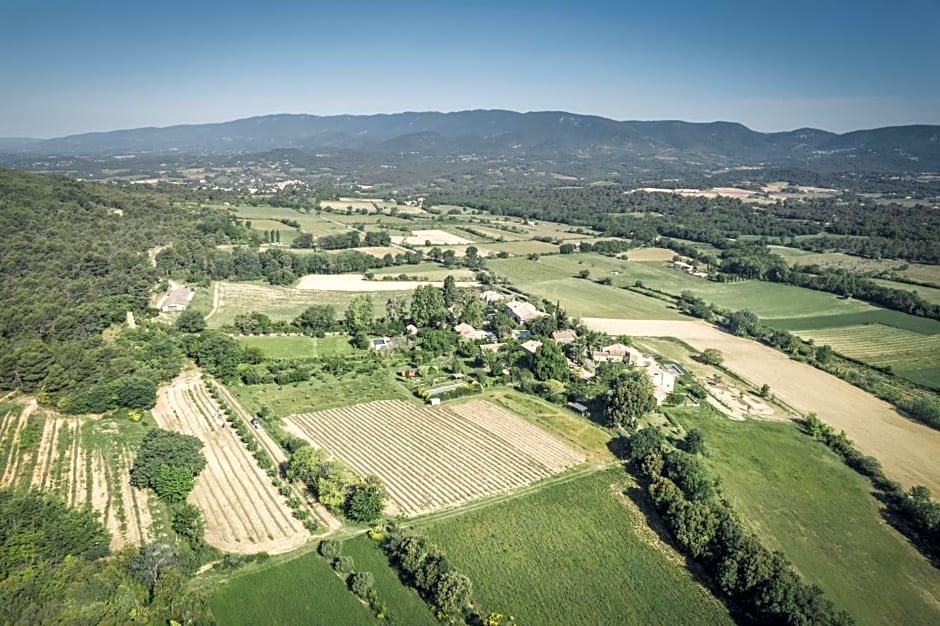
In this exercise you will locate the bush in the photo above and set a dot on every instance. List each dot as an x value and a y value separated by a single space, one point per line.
330 548
343 564
361 583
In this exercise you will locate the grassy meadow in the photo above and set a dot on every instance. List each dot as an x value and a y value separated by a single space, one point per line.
300 592
576 552
802 499
276 347
404 605
322 392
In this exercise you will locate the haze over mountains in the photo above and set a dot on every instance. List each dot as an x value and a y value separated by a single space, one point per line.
538 134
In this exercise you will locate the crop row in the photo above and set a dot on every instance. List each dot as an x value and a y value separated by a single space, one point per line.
263 458
430 458
232 489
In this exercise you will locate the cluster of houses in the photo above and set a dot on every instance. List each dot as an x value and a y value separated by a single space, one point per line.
688 268
663 378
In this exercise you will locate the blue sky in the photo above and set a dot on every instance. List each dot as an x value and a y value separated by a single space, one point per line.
74 66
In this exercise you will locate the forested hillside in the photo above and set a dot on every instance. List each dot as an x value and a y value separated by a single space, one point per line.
74 261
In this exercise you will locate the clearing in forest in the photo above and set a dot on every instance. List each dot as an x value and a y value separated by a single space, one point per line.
81 460
433 457
243 511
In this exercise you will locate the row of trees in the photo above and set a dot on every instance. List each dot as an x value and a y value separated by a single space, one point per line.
424 567
200 259
336 485
760 582
914 512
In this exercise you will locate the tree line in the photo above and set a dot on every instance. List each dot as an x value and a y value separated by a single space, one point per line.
760 583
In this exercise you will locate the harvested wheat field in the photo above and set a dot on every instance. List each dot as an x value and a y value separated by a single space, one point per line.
651 254
907 450
358 283
434 457
432 237
243 511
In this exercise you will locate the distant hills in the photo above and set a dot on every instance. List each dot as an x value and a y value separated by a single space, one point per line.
541 135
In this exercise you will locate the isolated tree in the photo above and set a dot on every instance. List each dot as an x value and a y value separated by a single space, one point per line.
188 523
361 583
428 307
631 397
190 321
646 442
472 312
133 392
173 483
743 323
823 354
317 320
549 362
694 442
330 548
367 500
711 356
449 290
360 314
166 448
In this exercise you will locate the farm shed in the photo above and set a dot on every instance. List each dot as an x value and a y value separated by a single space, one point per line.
580 409
177 299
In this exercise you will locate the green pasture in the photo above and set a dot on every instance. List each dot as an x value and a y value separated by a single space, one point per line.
280 347
404 605
802 499
300 592
576 552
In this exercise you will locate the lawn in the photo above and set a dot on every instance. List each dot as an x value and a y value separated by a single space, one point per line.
321 392
275 347
575 552
805 501
404 605
301 592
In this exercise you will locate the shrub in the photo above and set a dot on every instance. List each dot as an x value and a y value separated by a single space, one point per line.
361 583
343 564
330 548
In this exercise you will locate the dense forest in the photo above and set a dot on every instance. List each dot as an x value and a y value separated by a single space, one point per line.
74 263
889 230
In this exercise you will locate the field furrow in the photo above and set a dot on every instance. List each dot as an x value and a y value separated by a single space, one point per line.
243 510
430 458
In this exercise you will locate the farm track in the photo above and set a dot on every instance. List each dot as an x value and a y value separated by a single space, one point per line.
434 458
243 510
279 457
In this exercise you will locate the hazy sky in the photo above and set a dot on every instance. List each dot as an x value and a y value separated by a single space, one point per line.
74 66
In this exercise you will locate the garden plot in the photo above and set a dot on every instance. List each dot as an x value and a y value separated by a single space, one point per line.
434 457
243 511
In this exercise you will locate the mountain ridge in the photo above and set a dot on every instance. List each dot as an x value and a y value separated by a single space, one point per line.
545 134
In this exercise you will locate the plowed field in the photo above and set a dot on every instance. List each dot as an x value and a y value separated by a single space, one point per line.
433 457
